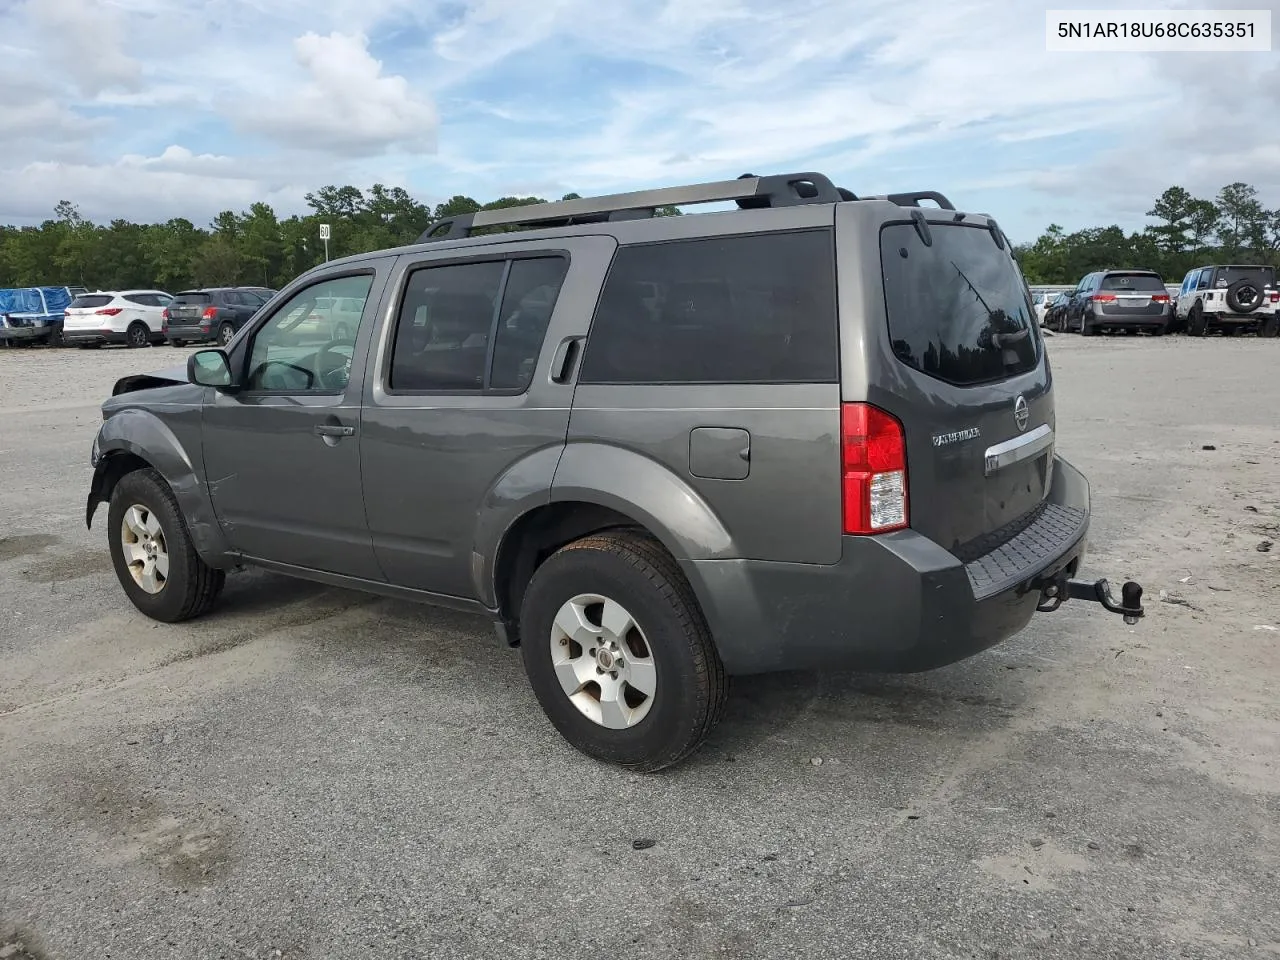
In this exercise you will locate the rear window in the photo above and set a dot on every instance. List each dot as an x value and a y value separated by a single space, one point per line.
1229 275
1132 281
192 298
747 309
91 300
958 309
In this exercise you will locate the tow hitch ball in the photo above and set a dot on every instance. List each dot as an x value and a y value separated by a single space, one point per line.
1099 591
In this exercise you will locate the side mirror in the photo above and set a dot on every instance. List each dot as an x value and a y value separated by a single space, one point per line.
210 368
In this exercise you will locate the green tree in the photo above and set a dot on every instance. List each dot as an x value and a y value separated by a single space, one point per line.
1240 218
1173 208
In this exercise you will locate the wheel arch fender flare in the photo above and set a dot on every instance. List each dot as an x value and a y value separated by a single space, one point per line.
140 434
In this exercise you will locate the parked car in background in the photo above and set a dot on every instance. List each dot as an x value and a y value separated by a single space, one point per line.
210 314
1129 300
131 317
32 314
1054 316
1231 298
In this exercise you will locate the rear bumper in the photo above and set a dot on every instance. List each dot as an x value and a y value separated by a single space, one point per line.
28 334
191 334
894 603
1101 320
86 337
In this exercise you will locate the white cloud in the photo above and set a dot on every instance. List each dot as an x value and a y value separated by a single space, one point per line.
347 106
90 40
175 183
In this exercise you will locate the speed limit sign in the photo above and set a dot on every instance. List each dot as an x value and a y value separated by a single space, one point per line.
324 231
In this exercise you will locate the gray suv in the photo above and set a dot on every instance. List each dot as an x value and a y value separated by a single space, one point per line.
815 432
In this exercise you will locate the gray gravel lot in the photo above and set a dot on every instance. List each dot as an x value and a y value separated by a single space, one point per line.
314 773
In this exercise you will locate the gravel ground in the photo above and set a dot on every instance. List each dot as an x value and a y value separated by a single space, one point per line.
314 773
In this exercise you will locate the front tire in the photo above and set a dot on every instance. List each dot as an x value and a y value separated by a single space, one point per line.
151 550
618 653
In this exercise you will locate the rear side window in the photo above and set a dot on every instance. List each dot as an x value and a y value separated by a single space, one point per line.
1133 281
451 314
958 310
90 301
750 309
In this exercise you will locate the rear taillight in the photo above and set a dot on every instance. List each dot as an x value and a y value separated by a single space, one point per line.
164 314
874 459
1103 298
108 311
1160 297
210 312
1275 296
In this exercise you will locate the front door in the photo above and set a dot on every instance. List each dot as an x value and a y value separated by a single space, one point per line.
282 454
473 384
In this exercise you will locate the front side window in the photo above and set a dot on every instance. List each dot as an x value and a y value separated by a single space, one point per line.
301 349
467 327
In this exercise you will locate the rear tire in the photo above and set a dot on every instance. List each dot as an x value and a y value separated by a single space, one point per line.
151 550
137 335
1086 328
628 579
225 333
1270 327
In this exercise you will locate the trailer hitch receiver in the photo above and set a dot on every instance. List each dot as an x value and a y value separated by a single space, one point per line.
1098 591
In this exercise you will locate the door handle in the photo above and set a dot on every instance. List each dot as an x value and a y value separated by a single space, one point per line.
566 356
334 430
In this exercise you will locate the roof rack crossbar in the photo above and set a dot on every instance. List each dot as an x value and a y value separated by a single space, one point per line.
779 190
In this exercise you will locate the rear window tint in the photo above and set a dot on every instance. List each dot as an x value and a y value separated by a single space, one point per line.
1229 275
90 301
753 309
192 298
1132 281
958 309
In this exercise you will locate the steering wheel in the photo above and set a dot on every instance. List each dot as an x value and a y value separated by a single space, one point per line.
333 364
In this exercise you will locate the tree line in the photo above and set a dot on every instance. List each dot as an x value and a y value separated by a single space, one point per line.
258 248
254 247
1189 231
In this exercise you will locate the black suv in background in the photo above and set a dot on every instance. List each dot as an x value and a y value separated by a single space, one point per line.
1129 300
214 313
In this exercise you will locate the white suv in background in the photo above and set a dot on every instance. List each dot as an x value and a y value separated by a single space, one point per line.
132 317
1231 298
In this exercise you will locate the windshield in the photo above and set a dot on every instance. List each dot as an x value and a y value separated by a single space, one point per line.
1145 282
958 309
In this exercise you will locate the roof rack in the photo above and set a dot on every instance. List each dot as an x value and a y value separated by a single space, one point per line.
748 190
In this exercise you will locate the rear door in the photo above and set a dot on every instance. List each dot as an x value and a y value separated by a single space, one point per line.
960 362
462 390
187 309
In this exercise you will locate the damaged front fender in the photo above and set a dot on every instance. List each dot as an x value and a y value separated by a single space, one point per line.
133 438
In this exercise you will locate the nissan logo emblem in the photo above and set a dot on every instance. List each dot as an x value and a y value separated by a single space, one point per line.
1021 413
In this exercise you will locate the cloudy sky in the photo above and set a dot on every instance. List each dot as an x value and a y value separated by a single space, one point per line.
149 109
